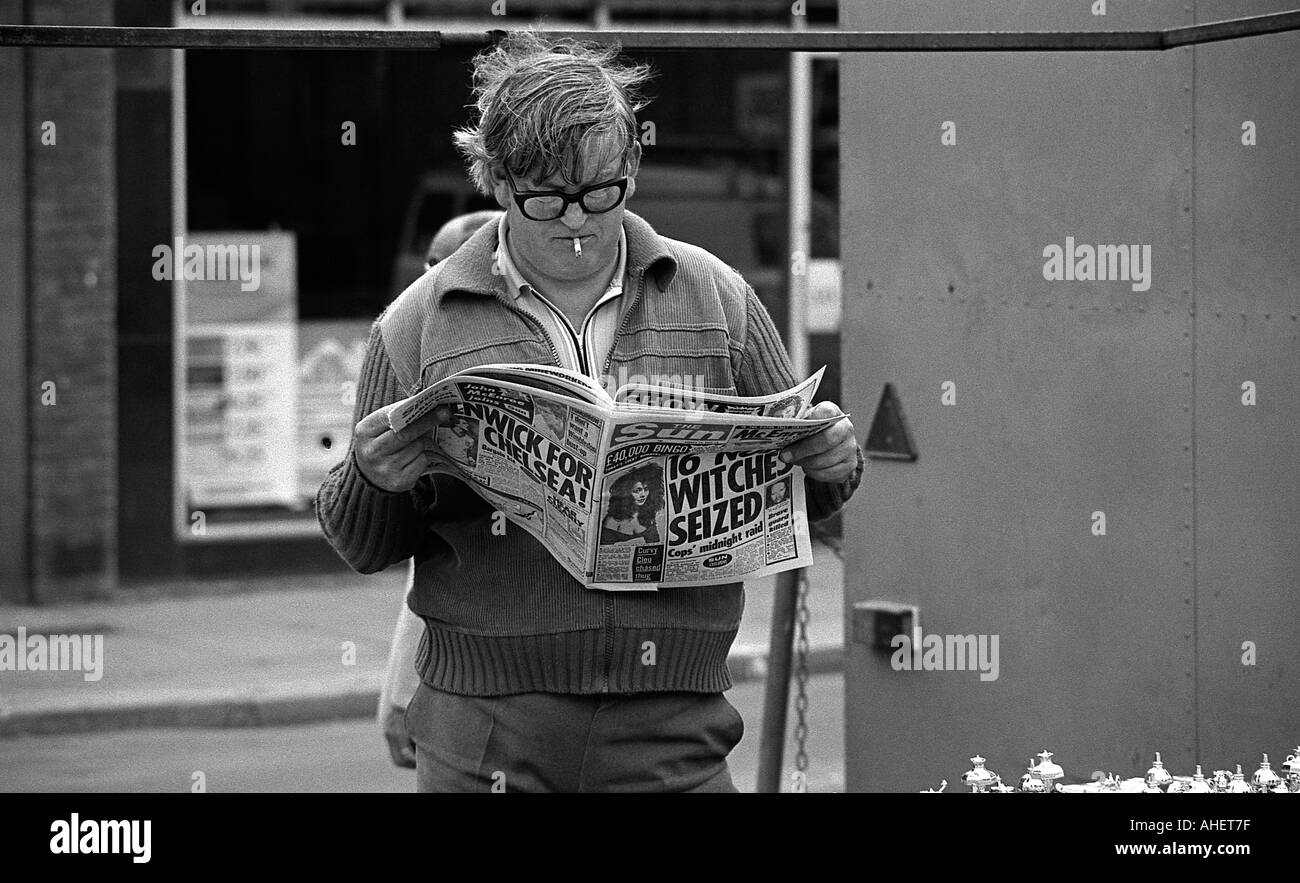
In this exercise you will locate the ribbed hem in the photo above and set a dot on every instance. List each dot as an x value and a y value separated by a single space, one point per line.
641 660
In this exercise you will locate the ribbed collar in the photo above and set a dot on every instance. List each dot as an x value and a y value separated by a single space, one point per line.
469 268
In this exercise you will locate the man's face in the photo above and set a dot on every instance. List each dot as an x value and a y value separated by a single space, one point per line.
545 248
778 493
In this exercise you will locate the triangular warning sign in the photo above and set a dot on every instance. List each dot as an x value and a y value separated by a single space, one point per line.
889 438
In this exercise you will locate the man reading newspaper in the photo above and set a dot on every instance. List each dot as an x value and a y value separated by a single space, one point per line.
529 680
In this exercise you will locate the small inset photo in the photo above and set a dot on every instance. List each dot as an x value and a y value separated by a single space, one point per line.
778 492
635 513
788 409
460 440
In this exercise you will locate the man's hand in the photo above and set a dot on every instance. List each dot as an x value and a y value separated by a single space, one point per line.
391 460
832 454
400 746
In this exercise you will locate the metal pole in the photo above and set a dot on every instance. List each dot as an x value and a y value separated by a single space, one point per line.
800 178
793 40
776 696
776 689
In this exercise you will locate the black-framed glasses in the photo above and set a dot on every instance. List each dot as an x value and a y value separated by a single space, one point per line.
547 205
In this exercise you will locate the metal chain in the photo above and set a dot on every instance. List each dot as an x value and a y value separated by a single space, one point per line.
801 688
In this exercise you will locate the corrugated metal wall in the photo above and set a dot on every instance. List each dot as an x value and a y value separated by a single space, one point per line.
1075 397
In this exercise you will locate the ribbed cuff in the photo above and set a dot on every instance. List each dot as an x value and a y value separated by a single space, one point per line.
640 660
367 525
356 467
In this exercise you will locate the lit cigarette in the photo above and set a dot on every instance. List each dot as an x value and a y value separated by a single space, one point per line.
577 246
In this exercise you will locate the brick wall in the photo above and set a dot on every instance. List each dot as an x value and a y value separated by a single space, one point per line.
72 303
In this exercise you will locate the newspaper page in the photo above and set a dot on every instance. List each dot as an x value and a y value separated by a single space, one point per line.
532 454
626 498
793 402
702 501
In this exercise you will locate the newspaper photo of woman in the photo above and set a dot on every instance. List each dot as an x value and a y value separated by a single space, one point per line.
778 493
636 500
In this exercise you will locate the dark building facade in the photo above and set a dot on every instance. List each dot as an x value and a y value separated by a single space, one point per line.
111 154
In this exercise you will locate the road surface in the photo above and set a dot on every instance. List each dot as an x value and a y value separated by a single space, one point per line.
337 756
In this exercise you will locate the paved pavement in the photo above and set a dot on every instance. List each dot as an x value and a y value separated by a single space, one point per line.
336 756
282 650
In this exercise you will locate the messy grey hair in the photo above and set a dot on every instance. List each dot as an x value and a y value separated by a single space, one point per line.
541 102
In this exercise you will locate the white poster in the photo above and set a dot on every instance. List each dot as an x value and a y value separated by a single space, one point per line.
241 369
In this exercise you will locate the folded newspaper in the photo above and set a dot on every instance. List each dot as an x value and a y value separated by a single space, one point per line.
659 485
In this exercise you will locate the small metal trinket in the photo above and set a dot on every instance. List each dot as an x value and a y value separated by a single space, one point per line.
1046 770
1265 779
1198 784
1239 785
978 779
942 785
1030 783
1110 784
1158 776
1291 766
1219 784
1001 787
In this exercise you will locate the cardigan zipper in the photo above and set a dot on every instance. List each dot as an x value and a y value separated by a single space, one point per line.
622 325
608 623
536 323
607 615
608 626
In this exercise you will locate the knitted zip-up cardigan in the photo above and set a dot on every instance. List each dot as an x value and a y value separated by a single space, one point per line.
502 615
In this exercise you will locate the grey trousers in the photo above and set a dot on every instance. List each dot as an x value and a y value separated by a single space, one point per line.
548 742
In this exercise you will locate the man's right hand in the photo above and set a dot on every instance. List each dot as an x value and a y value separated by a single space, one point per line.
391 460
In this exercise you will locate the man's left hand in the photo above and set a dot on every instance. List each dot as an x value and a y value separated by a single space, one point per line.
400 747
832 454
